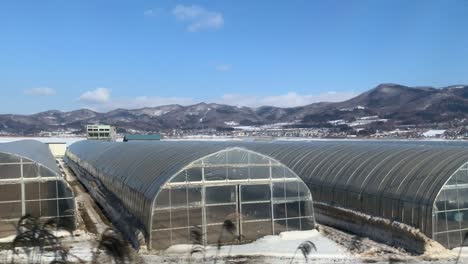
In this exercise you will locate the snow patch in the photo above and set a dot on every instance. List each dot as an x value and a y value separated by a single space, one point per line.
282 245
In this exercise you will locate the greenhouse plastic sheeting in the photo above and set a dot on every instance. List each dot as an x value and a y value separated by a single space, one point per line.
398 180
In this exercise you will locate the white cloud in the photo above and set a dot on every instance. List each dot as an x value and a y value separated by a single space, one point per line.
101 100
223 67
98 96
108 103
198 18
290 99
152 12
43 91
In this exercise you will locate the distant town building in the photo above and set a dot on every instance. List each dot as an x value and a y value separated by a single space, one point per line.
434 133
101 132
132 137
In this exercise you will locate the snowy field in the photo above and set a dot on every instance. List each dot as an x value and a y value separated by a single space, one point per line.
269 249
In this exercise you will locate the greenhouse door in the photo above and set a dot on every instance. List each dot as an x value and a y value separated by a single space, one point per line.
254 211
245 207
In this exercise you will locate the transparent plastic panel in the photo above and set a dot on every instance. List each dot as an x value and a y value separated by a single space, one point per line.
304 192
179 217
280 226
455 239
181 236
439 204
49 208
179 197
278 191
161 219
10 210
294 224
278 172
306 208
45 172
63 190
220 194
462 177
279 210
236 173
463 218
216 159
453 220
255 193
48 190
10 192
258 159
292 209
66 207
219 213
289 174
463 198
442 239
256 211
464 234
214 234
10 171
259 172
194 174
161 239
7 228
215 173
292 190
32 191
254 230
237 156
307 223
181 177
163 199
195 216
30 171
194 195
453 180
33 208
8 158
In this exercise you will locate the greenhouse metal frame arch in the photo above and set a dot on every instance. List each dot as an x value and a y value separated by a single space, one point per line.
404 181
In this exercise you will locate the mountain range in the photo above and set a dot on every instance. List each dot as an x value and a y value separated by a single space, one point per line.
398 103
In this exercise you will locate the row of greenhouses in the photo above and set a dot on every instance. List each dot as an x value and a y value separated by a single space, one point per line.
168 189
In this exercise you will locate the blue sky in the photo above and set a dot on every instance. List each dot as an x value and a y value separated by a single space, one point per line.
105 54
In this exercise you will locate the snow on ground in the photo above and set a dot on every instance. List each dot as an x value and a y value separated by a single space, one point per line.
80 248
269 249
462 251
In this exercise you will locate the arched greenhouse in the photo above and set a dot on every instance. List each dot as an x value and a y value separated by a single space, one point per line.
172 188
31 183
265 188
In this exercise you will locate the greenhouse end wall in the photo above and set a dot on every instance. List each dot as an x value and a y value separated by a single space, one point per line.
255 193
450 211
29 188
